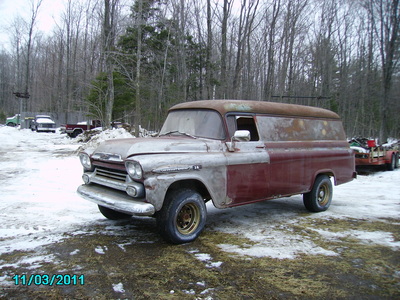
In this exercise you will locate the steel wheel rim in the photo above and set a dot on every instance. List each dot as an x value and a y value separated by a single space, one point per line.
323 195
188 218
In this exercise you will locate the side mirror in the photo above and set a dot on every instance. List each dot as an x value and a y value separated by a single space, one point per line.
241 136
238 136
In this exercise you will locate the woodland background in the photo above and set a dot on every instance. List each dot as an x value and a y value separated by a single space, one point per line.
129 61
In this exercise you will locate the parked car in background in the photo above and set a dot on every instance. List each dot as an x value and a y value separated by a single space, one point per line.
43 123
13 121
226 151
73 130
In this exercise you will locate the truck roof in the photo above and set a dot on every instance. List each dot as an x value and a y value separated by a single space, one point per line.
262 107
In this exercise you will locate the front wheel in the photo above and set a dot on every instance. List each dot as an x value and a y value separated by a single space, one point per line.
112 214
183 216
320 197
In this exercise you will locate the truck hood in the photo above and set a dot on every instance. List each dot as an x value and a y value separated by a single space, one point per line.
44 121
125 148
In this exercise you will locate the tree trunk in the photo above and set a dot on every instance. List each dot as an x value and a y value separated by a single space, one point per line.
138 59
209 71
108 43
224 33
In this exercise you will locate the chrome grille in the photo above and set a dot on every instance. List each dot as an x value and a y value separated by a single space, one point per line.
111 174
46 125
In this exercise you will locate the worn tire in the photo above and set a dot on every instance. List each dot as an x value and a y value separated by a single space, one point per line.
183 216
392 165
320 197
75 133
112 214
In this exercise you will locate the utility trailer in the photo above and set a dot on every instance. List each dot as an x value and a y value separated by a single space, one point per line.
368 153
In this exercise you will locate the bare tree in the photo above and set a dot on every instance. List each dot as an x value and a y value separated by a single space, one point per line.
270 44
34 12
385 16
246 19
138 119
110 13
209 70
224 49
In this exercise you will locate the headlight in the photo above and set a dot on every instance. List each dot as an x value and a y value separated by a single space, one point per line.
134 169
85 161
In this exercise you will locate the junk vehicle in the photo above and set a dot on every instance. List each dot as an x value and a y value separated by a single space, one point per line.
369 153
229 152
73 130
13 121
43 123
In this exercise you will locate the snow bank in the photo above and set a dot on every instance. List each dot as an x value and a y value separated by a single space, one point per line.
100 136
91 139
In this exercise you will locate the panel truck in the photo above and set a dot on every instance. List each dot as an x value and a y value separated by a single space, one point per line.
229 152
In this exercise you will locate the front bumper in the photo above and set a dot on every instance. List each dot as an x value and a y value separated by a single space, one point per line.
115 200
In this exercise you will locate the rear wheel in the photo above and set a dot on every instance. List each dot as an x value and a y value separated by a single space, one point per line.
320 197
75 133
112 214
392 165
183 216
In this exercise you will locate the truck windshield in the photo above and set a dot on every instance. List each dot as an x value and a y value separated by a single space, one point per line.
196 123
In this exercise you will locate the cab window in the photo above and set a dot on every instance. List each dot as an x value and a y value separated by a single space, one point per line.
243 123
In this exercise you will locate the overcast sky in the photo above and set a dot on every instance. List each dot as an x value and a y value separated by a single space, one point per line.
10 9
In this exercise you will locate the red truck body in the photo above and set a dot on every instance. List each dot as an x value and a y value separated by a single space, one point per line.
368 153
73 130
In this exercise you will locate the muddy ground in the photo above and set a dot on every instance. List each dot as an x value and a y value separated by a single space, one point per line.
128 260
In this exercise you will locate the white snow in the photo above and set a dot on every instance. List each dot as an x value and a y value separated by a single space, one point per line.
40 172
206 258
118 288
90 146
45 121
100 249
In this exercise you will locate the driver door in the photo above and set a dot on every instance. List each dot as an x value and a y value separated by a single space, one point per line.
247 164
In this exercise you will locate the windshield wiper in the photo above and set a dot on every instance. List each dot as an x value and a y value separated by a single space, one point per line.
177 131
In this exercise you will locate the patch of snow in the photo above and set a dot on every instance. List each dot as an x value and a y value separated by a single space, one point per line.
118 288
100 249
203 256
382 238
32 263
189 292
76 251
206 258
109 134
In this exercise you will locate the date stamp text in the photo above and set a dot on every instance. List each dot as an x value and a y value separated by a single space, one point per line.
50 280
